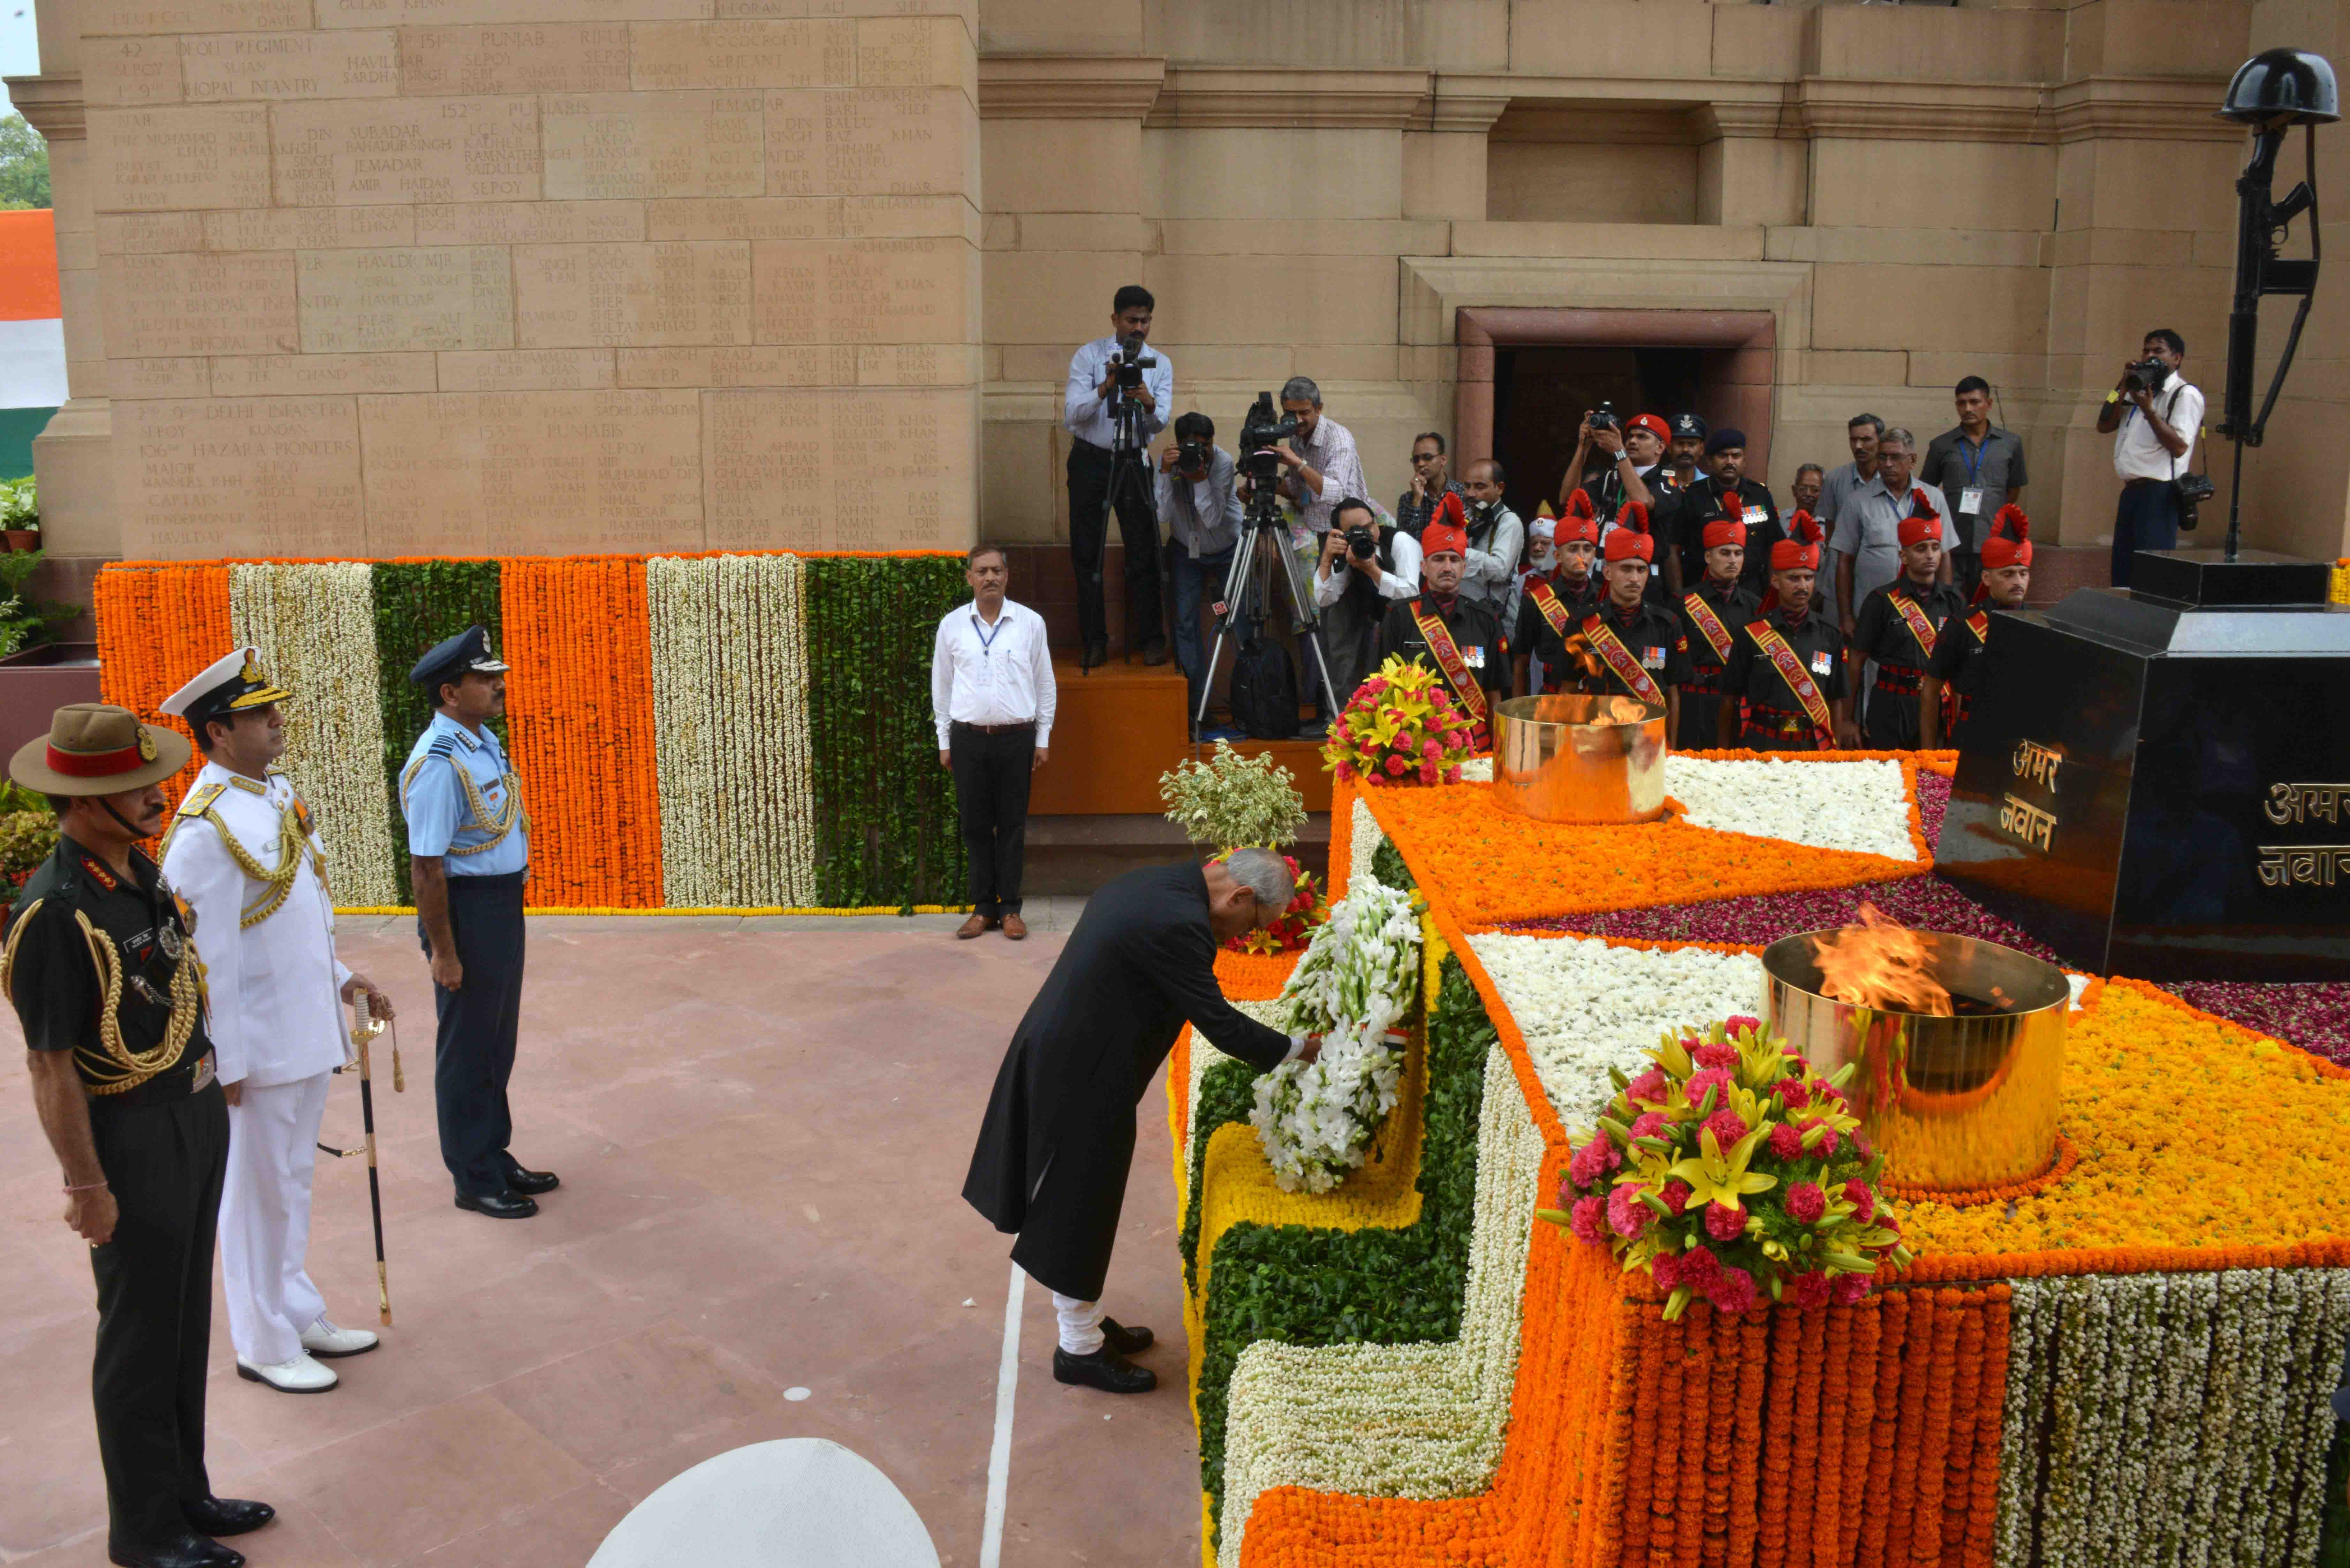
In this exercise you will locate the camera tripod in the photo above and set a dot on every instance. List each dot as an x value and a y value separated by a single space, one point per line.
1243 585
1129 483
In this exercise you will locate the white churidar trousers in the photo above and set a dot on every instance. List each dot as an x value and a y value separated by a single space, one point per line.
265 1217
1081 1333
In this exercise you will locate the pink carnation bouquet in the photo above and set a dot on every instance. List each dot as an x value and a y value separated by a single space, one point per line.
1401 727
1732 1170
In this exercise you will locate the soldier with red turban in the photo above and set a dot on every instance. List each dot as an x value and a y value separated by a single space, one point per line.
1955 676
1785 686
1453 636
1553 605
1897 626
1711 616
1630 646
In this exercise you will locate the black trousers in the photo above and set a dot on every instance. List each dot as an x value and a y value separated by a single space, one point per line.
164 1162
1889 721
991 776
1089 470
474 1055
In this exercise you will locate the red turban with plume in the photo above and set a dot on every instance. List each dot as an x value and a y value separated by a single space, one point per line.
1800 550
1923 522
1578 523
1630 541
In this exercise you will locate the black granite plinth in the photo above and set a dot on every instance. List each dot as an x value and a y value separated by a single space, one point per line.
2208 578
2161 790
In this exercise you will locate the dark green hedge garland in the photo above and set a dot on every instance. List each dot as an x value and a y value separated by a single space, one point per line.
1387 864
1227 1094
885 810
1304 1286
417 604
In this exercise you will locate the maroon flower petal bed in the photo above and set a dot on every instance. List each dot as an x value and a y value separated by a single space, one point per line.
1933 799
2316 1017
1924 902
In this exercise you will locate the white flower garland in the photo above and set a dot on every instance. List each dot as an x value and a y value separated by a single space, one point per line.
1861 806
1365 843
731 731
1356 980
1401 1420
314 626
1585 1006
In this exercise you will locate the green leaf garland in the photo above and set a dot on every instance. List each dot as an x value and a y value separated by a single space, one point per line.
417 605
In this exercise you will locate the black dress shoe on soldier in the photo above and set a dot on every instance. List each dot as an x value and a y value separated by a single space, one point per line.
1124 1340
226 1515
1105 1369
1095 655
182 1551
1154 653
500 1205
531 1183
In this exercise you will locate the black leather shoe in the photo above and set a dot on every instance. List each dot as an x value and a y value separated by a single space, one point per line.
500 1205
531 1183
1154 653
226 1515
1096 654
1124 1340
1105 1369
182 1551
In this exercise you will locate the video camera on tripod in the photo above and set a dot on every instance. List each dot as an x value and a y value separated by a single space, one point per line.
1267 427
1130 361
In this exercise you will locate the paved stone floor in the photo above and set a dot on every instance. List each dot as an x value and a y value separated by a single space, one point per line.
761 1134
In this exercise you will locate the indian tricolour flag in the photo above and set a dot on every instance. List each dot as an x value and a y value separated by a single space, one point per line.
32 336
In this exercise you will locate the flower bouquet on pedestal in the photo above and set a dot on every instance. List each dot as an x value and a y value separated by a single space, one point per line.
1732 1170
1401 726
1359 978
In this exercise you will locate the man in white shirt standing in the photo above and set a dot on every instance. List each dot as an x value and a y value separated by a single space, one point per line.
246 856
1086 412
1354 589
2158 418
992 697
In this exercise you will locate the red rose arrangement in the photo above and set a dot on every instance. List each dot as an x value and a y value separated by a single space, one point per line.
1400 727
1732 1170
1308 908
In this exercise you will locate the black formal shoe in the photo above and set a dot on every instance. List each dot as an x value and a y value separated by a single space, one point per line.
1096 654
1105 1369
226 1515
1124 1340
181 1552
1154 653
531 1183
500 1205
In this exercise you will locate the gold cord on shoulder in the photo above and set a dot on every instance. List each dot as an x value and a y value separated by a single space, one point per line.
8 952
113 1068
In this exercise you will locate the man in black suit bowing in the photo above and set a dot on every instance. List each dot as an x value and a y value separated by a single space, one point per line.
1058 1137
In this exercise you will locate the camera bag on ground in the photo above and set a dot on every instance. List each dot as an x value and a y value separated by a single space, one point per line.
1264 691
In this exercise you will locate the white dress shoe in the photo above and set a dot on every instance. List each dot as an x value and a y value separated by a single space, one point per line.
323 1338
299 1375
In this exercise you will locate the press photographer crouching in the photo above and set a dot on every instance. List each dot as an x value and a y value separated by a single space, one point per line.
1202 514
1117 401
2157 414
1367 564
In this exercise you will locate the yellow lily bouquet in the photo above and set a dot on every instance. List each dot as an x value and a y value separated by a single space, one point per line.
1730 1168
1400 727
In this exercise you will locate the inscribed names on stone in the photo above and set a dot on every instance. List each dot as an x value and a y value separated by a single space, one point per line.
654 144
643 295
159 378
127 71
744 55
871 142
530 222
239 476
137 18
313 375
457 296
527 371
309 229
533 473
122 235
755 365
832 470
429 150
863 291
179 303
219 66
548 57
915 51
154 159
501 12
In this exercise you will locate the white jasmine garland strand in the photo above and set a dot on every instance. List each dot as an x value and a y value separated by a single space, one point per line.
1365 843
314 626
1860 806
1407 1421
2028 1360
1585 1006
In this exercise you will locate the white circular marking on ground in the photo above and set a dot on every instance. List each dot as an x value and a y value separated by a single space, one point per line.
796 1394
799 1502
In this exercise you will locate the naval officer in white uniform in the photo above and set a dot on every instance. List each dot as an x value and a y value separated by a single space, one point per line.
244 853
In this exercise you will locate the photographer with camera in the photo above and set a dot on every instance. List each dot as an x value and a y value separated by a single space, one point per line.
1115 381
1367 564
1316 467
2158 414
1432 482
1203 511
1497 540
1612 461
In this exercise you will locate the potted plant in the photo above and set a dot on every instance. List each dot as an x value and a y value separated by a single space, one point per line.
28 831
20 513
24 623
1238 801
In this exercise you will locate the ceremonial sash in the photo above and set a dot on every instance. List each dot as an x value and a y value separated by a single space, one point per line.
1448 658
1915 620
1553 607
1980 624
1619 659
1955 705
1716 636
1791 670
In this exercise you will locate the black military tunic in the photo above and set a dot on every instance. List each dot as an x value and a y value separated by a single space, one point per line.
1958 664
1702 502
1881 633
1733 607
1652 636
1475 633
1534 636
1771 717
124 993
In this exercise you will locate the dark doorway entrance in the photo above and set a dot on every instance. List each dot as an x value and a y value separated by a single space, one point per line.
1540 395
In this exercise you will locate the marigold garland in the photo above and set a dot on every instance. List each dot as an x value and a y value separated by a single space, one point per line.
156 628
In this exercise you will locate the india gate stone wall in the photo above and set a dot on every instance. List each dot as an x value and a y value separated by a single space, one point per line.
410 276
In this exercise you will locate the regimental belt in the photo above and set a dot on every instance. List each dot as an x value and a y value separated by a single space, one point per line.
1900 682
1620 662
1439 638
111 1068
1799 680
1915 620
1709 625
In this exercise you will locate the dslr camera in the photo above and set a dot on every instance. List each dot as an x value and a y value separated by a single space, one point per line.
1362 543
1265 426
1602 418
2149 373
1192 457
1131 361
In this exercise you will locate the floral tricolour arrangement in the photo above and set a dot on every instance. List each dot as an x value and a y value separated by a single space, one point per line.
1400 727
1731 1170
1316 1120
